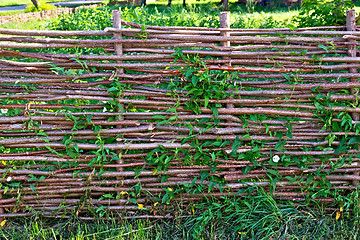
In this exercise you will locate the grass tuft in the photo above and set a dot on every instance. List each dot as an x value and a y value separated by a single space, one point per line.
259 216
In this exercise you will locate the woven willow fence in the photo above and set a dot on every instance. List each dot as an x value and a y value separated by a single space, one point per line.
133 118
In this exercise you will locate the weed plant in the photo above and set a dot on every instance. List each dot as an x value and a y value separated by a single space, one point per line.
323 13
193 15
258 216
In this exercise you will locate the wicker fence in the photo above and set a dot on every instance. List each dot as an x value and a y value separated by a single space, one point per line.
121 119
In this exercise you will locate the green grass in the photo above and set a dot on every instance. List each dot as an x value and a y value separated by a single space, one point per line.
29 25
255 217
7 13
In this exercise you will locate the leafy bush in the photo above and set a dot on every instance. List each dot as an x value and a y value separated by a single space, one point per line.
256 20
196 16
84 19
100 18
323 13
42 7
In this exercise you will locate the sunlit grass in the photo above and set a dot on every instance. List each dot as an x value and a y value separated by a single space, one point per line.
28 25
254 217
6 13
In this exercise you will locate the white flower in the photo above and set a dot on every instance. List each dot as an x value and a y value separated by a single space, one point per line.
4 110
8 179
276 158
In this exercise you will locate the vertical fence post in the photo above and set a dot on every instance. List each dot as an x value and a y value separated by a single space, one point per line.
225 24
117 25
118 52
351 26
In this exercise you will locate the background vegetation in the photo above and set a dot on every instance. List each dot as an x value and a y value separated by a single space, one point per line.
257 216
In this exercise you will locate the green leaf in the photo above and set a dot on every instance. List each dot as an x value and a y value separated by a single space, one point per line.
246 169
101 171
323 47
76 147
279 146
291 179
101 208
112 89
253 117
162 122
286 76
41 178
194 80
206 101
309 180
215 112
235 146
273 172
159 116
354 140
109 195
246 136
331 139
212 184
42 133
203 120
164 178
189 72
32 179
132 200
341 149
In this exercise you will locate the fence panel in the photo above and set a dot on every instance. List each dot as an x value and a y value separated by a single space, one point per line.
120 119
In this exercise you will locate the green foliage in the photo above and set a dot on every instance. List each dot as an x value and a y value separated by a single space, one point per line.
257 20
250 5
42 7
30 24
39 228
323 13
85 19
259 215
256 216
199 16
263 216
